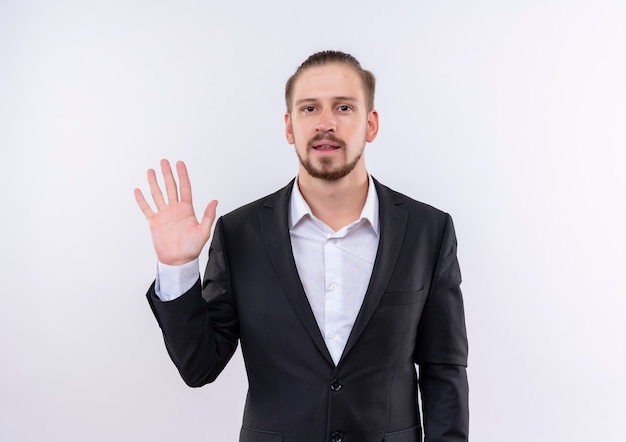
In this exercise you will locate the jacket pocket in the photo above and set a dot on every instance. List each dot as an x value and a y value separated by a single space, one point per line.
413 434
402 298
250 435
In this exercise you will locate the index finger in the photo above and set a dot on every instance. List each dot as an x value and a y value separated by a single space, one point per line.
143 204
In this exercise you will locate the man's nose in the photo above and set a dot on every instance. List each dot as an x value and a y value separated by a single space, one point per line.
326 121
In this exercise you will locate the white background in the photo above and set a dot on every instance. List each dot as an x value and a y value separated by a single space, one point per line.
509 115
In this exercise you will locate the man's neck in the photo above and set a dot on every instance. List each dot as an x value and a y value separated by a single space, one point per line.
335 203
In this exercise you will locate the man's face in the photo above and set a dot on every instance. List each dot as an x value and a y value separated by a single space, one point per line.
329 122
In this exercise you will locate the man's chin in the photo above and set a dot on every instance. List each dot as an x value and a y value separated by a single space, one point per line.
326 171
327 174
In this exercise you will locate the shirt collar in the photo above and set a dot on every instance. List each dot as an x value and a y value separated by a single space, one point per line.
298 207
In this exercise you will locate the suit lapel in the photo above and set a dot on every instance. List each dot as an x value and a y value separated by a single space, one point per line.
275 228
393 221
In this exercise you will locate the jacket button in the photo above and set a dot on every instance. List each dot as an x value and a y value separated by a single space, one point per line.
336 437
335 385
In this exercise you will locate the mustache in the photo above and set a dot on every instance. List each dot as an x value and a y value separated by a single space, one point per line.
326 136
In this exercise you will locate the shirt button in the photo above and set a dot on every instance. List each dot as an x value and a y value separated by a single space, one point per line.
337 436
331 335
333 287
335 385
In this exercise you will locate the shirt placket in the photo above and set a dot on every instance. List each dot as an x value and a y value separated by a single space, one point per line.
333 292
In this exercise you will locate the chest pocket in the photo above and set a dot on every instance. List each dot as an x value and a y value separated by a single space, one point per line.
402 298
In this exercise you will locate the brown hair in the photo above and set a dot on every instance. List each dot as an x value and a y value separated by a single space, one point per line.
334 57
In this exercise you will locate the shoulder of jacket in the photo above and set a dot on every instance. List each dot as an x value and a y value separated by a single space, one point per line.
406 202
251 209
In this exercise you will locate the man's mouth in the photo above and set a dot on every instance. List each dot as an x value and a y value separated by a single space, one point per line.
325 146
326 142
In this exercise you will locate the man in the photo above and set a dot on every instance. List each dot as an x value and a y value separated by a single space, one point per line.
335 285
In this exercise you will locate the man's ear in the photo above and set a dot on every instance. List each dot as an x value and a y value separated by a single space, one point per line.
372 126
289 129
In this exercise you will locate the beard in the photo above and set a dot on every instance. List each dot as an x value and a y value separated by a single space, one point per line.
325 170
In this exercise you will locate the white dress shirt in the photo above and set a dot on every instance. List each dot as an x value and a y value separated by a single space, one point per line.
334 267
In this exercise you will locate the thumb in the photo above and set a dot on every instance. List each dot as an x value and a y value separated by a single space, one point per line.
208 217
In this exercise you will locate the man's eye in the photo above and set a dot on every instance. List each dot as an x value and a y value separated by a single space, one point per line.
344 108
308 109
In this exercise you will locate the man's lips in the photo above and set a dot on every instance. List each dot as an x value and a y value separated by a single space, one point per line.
325 142
325 146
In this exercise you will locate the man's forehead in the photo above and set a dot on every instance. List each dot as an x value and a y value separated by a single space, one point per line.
332 79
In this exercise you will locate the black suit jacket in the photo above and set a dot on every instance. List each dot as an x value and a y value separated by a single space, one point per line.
412 314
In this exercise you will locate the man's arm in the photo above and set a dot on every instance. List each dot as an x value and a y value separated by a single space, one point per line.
201 330
197 350
441 350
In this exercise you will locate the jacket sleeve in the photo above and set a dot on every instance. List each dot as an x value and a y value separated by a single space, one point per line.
200 328
441 350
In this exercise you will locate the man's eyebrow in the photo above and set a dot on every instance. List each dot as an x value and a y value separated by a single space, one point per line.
314 100
344 98
305 100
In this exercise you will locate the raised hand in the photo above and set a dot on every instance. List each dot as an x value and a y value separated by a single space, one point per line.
177 236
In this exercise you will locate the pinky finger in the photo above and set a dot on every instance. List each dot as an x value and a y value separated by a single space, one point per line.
143 204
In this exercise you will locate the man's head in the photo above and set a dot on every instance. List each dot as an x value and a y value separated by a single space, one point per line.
330 116
368 81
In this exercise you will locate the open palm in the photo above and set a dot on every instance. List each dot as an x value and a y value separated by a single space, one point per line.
177 235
